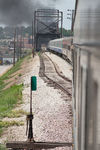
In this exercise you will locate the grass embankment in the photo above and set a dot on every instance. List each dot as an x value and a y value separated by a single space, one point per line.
9 73
9 97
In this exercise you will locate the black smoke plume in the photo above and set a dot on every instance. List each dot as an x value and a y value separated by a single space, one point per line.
17 12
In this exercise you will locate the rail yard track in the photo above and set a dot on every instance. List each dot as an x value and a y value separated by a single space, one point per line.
52 75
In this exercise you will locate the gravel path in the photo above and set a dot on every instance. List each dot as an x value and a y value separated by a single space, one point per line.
52 114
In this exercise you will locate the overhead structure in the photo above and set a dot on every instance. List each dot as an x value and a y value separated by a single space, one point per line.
48 24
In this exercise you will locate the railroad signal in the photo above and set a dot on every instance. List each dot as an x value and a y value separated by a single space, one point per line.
30 116
33 83
30 143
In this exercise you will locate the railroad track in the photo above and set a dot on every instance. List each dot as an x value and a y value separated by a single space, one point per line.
50 71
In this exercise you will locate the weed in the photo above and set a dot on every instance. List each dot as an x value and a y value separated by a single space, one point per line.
20 75
39 53
29 57
15 114
6 124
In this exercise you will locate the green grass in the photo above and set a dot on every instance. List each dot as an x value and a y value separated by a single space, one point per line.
2 85
29 57
2 147
9 98
15 113
12 70
8 74
39 53
7 124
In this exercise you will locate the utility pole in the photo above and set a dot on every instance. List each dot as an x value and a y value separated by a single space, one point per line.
71 14
23 41
14 46
61 24
35 30
20 43
17 44
32 40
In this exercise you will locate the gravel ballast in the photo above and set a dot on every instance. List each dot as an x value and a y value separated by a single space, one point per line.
52 113
63 65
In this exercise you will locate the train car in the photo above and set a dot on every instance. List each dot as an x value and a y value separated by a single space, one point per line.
62 47
86 77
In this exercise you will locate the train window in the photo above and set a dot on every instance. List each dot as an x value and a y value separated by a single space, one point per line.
57 44
65 46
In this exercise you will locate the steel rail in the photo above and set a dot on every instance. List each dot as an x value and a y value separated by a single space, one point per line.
54 82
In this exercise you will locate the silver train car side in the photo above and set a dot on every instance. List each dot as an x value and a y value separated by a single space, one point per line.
86 74
86 77
62 47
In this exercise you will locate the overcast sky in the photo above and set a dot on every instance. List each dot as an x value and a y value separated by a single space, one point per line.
17 12
63 5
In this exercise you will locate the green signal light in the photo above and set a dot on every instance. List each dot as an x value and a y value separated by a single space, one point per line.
33 83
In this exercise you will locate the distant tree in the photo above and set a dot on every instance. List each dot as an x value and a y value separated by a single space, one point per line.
8 32
67 32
